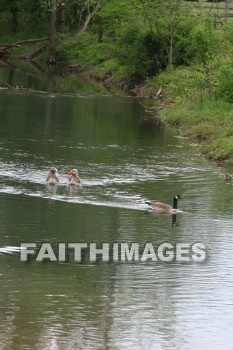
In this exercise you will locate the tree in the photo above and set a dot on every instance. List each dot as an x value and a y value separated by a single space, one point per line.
165 16
52 6
176 11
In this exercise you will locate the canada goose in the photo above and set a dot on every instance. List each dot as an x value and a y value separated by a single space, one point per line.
52 178
163 207
74 178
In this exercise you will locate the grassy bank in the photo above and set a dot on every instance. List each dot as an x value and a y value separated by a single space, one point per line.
210 123
189 104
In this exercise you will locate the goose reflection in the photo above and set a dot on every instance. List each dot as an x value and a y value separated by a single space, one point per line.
72 191
162 214
174 221
51 189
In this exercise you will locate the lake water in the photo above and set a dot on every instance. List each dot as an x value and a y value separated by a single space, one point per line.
124 157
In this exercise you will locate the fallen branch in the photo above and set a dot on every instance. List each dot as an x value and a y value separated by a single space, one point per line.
17 87
160 93
28 41
5 47
148 108
35 53
84 27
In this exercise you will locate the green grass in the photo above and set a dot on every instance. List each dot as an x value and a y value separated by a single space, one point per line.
177 84
191 105
210 123
93 59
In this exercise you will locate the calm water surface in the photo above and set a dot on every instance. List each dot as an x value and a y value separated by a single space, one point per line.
123 159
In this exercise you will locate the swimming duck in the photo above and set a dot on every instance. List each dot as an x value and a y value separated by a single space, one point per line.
52 178
74 178
163 207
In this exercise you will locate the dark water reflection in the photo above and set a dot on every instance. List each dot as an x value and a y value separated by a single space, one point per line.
123 158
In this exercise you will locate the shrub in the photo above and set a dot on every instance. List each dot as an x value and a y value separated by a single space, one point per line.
140 52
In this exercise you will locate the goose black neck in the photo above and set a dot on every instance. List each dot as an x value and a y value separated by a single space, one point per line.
174 206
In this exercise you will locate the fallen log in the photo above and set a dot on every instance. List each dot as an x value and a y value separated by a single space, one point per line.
28 41
4 48
34 54
16 87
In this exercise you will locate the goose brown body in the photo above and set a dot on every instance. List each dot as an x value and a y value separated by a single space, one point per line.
159 206
164 207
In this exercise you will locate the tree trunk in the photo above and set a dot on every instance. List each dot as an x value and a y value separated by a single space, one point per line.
14 13
52 32
171 52
62 18
100 36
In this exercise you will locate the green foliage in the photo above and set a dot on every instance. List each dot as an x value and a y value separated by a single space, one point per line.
107 67
133 39
22 19
114 14
85 50
50 4
139 52
202 41
224 78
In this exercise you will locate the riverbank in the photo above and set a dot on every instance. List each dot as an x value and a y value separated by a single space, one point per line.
210 124
187 103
